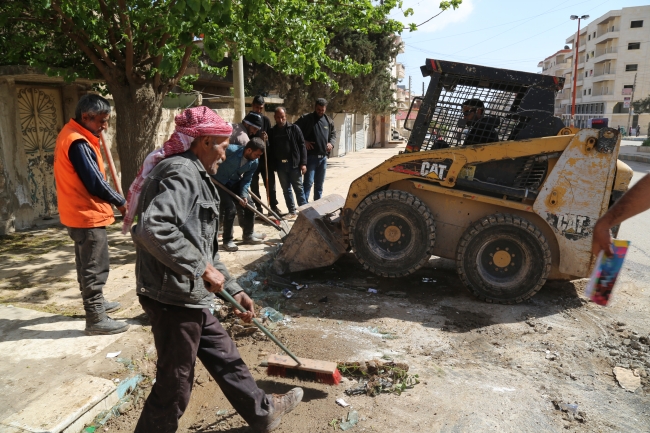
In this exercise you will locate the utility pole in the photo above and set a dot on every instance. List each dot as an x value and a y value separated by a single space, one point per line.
423 89
238 88
410 99
629 110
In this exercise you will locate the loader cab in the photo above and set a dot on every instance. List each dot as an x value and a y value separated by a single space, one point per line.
471 104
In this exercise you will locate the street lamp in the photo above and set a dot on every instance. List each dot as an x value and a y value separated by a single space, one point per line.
575 68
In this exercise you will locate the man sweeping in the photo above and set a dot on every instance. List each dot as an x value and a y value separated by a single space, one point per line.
178 271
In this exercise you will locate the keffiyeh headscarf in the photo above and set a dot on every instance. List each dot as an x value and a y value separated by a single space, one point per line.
191 123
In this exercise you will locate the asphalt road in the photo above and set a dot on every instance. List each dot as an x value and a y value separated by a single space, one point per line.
637 230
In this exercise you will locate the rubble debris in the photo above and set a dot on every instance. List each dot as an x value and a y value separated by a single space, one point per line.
342 402
375 376
627 379
113 354
271 314
323 299
287 293
570 411
351 420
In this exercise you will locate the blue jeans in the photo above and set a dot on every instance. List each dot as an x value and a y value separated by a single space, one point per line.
291 178
315 175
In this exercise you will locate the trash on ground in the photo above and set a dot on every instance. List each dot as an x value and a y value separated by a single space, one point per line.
127 362
428 280
627 379
569 411
287 293
113 354
351 421
378 376
222 412
342 402
271 314
372 290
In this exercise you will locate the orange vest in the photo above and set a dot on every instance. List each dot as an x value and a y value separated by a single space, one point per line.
77 207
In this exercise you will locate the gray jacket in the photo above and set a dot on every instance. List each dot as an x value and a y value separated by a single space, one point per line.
176 234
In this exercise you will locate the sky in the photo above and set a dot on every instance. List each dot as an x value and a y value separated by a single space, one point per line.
510 34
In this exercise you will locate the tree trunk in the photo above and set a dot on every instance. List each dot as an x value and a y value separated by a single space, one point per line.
138 114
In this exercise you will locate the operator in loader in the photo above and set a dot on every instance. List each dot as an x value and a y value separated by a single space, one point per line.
482 127
178 270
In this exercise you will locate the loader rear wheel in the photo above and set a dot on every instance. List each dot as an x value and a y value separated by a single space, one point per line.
503 258
392 233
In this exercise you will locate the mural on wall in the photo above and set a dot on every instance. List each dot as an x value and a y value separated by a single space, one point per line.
41 119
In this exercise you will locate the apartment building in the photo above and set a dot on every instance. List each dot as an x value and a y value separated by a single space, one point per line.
613 49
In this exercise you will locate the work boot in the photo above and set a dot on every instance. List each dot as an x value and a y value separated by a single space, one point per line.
109 307
230 246
98 323
275 210
282 403
254 238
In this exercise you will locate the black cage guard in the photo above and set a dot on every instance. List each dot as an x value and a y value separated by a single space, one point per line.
470 104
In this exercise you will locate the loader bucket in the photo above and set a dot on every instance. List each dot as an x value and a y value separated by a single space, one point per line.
315 240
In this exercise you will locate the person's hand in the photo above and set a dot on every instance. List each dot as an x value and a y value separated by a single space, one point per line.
329 147
243 202
602 240
309 145
214 280
248 304
122 209
303 169
265 136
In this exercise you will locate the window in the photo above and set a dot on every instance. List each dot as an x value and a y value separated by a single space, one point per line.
589 37
636 24
586 74
590 91
594 35
634 45
584 93
631 68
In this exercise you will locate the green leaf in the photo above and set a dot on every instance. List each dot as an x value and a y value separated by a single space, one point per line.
195 5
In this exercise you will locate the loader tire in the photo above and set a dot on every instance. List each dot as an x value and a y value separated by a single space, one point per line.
392 233
503 258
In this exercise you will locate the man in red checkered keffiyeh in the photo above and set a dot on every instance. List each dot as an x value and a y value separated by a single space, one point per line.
190 124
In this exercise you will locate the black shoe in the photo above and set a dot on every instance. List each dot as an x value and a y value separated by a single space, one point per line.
230 246
277 211
106 326
109 307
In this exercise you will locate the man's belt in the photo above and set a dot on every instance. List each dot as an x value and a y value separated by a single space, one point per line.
284 161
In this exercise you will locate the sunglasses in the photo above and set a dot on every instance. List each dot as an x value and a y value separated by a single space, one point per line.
466 112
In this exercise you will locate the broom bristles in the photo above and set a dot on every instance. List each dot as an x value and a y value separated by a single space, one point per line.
310 376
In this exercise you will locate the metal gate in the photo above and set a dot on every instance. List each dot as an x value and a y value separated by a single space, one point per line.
41 119
347 131
360 131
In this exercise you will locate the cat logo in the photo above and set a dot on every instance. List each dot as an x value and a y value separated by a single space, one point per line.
428 168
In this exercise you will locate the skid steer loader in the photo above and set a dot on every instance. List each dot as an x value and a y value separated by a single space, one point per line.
489 178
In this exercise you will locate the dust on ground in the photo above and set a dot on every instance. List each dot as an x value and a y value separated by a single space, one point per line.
543 365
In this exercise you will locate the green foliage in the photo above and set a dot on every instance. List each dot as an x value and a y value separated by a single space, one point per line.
642 105
368 92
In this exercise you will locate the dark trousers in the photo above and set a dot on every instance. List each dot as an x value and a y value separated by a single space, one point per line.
291 177
231 208
181 335
92 261
255 184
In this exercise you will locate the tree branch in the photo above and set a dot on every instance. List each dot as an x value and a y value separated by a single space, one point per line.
128 64
111 30
183 68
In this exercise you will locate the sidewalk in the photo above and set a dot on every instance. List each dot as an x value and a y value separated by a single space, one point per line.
54 378
629 150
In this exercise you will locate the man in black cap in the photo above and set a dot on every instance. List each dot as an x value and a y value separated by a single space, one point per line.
244 131
265 167
482 127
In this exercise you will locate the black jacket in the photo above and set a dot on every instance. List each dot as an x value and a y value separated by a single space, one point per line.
306 124
483 131
296 141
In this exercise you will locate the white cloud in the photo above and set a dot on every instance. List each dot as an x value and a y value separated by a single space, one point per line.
425 9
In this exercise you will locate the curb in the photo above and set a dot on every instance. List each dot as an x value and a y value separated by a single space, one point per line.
636 158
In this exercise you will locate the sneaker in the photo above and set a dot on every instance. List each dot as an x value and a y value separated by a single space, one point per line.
254 238
230 246
292 215
282 404
106 326
109 307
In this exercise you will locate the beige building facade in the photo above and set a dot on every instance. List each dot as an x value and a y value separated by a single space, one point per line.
613 49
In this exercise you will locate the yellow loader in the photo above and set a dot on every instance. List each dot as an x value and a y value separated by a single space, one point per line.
489 178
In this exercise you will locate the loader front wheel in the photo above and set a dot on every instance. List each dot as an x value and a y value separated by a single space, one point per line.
392 233
503 258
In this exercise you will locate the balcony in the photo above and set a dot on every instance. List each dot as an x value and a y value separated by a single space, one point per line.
604 51
400 71
609 31
603 92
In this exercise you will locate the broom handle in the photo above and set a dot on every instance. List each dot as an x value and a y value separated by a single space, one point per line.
259 200
111 163
257 323
248 206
